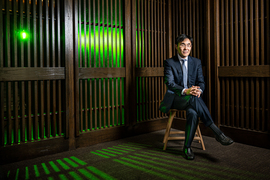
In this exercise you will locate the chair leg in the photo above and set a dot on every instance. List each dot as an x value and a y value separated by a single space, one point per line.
167 132
201 139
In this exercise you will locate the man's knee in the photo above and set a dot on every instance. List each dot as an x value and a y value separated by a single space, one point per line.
191 114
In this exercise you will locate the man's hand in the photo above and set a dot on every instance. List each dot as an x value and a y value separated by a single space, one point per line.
194 90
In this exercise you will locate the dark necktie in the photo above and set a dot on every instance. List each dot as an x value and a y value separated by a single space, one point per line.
184 73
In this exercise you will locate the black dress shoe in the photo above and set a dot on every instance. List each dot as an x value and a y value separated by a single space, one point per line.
189 155
224 140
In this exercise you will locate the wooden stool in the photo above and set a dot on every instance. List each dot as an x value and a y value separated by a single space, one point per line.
198 135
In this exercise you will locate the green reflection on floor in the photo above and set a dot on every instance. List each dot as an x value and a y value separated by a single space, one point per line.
75 175
62 164
99 154
63 177
36 171
55 168
78 160
88 174
71 162
100 173
46 170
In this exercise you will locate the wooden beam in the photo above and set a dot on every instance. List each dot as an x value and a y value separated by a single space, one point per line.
31 73
244 71
69 71
85 73
149 72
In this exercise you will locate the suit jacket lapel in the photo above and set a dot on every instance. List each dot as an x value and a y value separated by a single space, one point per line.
177 64
190 68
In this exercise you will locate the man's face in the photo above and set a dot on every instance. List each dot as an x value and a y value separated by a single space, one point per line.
184 48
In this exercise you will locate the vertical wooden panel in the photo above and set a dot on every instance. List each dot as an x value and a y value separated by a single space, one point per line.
15 62
2 84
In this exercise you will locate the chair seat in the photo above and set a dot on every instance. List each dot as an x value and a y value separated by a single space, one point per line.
168 132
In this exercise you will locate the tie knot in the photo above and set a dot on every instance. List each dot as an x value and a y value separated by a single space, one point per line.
183 60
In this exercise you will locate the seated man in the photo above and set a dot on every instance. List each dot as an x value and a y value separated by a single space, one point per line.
184 79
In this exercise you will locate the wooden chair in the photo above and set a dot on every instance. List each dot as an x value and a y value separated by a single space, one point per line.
167 137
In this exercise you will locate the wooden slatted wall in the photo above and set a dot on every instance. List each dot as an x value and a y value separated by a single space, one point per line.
100 64
150 53
31 106
190 17
243 71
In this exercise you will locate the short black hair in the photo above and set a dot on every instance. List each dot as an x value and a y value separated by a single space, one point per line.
182 37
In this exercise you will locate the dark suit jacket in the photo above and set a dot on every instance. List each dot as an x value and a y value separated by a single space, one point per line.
173 78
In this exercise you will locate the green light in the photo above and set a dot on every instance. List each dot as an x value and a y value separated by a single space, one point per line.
26 173
71 163
63 177
78 160
75 175
23 35
105 153
143 169
87 174
56 169
36 171
45 168
100 154
100 173
62 164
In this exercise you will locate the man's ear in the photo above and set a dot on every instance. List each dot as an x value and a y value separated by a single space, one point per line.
175 46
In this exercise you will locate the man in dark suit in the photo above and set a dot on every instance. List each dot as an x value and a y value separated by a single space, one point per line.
185 83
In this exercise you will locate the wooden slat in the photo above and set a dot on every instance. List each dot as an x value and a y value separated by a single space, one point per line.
257 62
245 71
41 85
222 34
95 102
99 102
76 70
2 84
85 97
149 72
31 73
58 40
90 105
104 102
81 105
85 73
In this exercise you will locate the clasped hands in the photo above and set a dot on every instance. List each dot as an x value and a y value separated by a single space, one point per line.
194 90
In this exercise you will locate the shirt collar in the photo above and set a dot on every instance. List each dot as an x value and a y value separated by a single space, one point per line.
180 58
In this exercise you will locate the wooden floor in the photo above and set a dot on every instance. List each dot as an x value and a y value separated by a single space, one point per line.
142 157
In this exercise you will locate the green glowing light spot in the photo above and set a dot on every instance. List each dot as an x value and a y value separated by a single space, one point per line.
118 150
26 173
75 175
50 178
106 153
62 164
144 169
17 173
36 171
63 177
78 160
55 168
88 174
112 151
45 168
71 162
124 148
8 173
23 35
100 173
99 154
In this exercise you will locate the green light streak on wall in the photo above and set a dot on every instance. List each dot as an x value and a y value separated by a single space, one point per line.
87 174
75 175
105 153
71 162
62 177
144 170
62 164
26 173
96 49
17 174
46 170
55 168
100 173
112 151
99 154
36 171
78 160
